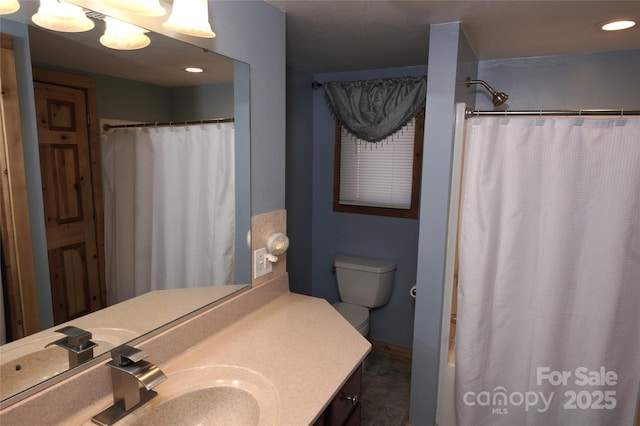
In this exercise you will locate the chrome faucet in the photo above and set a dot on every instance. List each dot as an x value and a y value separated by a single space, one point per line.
77 343
133 380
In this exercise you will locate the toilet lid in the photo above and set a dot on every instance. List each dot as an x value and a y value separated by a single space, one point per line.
356 315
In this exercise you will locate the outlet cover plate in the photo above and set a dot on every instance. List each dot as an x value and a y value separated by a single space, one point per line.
259 260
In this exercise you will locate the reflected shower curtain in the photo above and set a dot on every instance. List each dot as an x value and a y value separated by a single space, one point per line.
169 208
548 321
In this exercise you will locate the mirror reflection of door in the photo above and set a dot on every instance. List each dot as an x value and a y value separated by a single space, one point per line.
16 255
63 140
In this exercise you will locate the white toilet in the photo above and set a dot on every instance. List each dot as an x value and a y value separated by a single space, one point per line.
363 284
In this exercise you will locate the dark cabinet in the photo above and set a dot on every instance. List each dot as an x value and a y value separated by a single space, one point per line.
344 409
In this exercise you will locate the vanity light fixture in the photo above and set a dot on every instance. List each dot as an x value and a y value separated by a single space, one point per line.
138 7
277 245
9 6
194 70
121 35
617 25
190 17
59 15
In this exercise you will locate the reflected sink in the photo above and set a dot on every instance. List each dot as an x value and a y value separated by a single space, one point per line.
26 364
214 395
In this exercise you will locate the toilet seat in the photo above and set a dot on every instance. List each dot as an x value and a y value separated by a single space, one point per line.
358 316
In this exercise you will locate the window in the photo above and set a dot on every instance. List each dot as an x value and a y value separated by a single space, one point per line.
380 178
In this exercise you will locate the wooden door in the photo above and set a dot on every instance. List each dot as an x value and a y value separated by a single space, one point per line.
15 228
65 165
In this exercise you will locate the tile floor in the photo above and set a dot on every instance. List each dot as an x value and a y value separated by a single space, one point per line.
386 382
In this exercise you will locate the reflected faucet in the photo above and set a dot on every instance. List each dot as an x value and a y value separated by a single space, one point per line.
77 343
133 380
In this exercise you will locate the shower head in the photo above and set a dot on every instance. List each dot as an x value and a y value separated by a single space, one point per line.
498 97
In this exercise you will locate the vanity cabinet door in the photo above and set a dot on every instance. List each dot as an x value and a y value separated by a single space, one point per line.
344 409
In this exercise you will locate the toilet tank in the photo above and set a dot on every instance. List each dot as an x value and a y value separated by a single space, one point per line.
364 282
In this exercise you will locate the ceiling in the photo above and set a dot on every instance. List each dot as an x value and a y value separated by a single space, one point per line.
160 63
348 35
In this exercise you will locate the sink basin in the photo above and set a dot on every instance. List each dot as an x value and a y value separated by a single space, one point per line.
25 364
213 395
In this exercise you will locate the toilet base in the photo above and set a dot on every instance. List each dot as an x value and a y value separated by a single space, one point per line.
357 316
364 330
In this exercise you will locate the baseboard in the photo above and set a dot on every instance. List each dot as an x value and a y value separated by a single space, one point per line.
389 348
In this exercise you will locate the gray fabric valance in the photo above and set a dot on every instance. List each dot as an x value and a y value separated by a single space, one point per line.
375 109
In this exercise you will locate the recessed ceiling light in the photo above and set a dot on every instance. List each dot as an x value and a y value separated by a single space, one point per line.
194 69
618 24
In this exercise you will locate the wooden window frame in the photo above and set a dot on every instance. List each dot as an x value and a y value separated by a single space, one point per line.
413 210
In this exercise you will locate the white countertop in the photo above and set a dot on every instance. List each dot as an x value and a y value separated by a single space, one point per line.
110 327
300 344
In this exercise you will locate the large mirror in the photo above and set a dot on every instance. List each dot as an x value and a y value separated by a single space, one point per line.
132 87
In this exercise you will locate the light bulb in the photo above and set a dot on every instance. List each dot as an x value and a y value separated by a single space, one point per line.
123 36
277 244
9 6
62 16
138 7
190 17
618 24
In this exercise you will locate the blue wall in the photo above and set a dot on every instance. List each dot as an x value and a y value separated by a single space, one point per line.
242 116
203 101
581 81
254 32
324 233
450 61
122 99
299 179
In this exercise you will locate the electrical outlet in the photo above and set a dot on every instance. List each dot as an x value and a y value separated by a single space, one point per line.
261 266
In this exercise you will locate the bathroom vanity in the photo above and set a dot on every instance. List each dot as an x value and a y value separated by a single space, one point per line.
26 362
292 358
345 407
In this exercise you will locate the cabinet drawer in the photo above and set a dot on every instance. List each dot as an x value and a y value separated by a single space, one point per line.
345 401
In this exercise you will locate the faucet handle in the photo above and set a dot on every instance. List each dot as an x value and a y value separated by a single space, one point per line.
125 354
128 372
77 343
76 337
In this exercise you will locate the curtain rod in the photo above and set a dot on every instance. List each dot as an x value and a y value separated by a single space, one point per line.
169 123
316 84
539 113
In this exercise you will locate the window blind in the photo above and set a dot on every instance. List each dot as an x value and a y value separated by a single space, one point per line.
377 174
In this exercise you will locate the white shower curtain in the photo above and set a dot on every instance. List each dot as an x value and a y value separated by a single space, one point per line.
548 321
169 208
